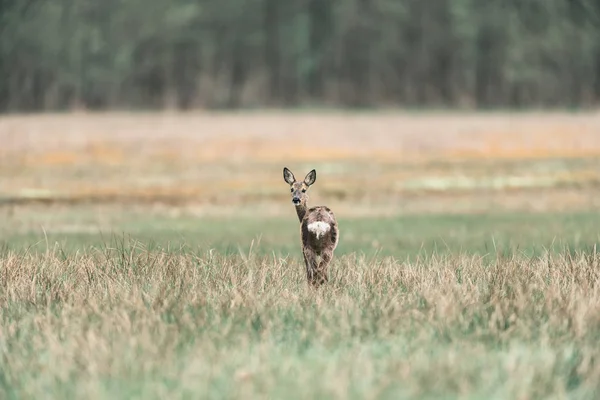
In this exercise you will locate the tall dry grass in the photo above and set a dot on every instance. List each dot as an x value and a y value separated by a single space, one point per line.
129 322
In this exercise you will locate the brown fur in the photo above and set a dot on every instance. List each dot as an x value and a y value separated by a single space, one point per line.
317 252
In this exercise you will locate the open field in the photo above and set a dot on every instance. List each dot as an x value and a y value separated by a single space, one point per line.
157 256
77 227
128 323
362 159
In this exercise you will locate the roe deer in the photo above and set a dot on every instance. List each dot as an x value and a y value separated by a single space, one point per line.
318 229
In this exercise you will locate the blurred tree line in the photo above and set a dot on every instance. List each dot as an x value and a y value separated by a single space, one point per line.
98 54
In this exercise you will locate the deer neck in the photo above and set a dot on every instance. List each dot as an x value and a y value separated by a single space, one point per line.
301 211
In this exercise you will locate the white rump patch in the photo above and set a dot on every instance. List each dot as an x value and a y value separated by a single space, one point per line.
319 228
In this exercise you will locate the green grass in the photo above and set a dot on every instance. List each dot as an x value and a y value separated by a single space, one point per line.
421 313
402 237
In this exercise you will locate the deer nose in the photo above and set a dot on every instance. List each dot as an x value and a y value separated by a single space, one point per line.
296 200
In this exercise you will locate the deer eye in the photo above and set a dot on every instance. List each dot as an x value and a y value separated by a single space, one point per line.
292 190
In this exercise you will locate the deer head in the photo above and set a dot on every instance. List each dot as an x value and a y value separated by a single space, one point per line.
299 189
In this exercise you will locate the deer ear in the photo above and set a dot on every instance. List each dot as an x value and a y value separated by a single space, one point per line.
288 176
311 177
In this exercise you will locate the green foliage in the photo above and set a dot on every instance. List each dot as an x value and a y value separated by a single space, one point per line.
235 53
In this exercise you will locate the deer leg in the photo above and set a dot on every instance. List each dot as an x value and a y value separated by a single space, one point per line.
312 263
321 272
308 267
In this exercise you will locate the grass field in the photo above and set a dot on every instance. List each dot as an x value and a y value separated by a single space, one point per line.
157 256
136 324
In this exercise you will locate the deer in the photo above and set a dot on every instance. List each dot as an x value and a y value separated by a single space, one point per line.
319 232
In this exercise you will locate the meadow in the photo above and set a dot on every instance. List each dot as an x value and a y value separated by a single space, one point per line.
158 256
